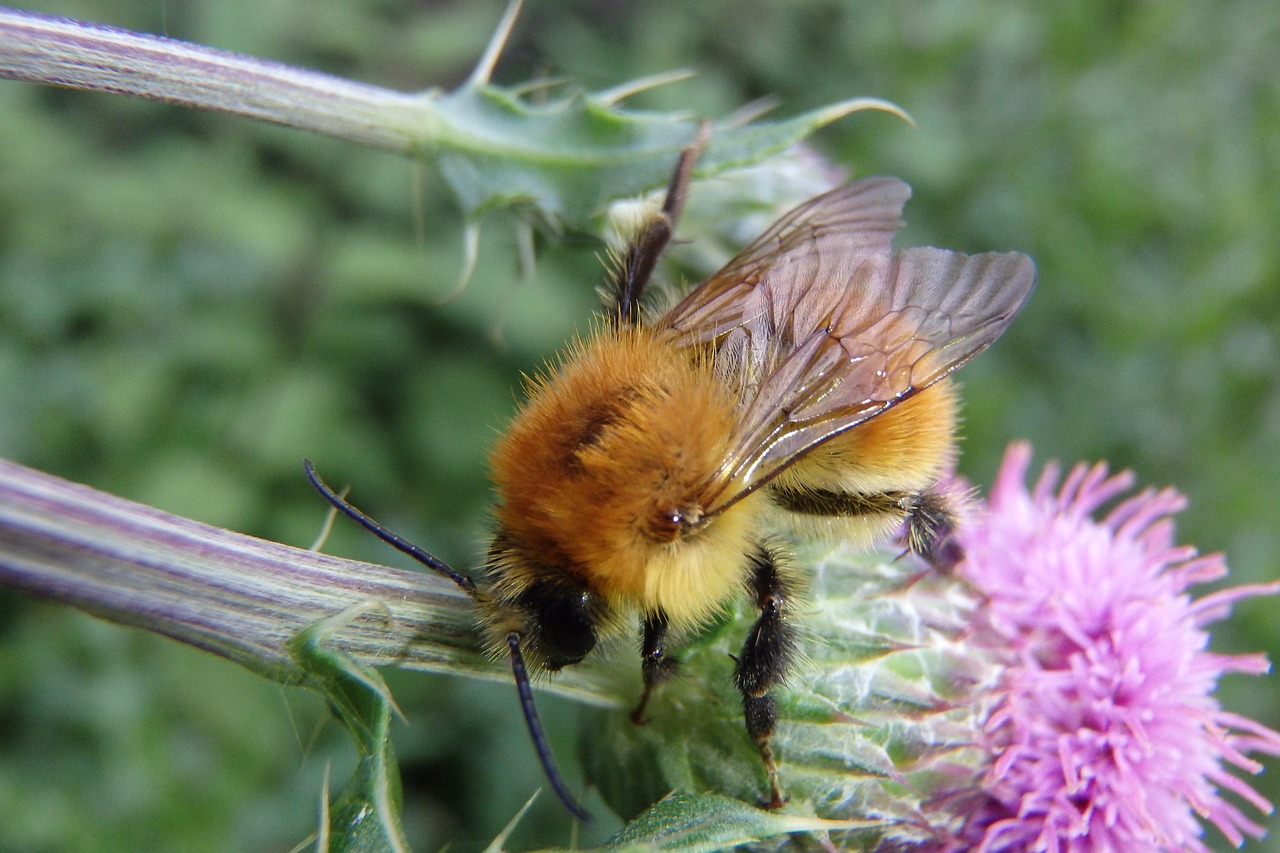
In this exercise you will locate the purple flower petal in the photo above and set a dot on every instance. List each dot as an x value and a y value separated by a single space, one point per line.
1105 730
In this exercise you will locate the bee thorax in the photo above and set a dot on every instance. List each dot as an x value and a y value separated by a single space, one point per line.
606 474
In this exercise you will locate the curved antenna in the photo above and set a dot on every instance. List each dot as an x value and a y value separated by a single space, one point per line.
431 561
540 744
518 669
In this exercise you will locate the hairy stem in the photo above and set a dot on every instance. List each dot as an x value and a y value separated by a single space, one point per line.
234 595
44 49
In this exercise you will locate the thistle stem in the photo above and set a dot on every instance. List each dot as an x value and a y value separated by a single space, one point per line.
234 595
80 55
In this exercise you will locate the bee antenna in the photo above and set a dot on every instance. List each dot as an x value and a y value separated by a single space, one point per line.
536 732
431 561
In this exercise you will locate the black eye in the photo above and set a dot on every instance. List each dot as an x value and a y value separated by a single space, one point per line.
567 632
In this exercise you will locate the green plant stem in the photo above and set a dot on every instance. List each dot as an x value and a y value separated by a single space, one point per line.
234 595
58 51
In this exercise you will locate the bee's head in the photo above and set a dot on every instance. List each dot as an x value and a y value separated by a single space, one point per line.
562 624
555 614
540 616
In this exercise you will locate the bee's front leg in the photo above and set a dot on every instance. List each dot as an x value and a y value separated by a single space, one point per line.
655 663
764 662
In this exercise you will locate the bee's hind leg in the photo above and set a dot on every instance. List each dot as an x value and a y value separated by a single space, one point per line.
931 530
634 267
764 662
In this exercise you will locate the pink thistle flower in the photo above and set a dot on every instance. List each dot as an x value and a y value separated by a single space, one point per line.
1106 733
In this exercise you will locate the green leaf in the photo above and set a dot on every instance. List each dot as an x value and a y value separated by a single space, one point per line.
568 158
696 823
365 817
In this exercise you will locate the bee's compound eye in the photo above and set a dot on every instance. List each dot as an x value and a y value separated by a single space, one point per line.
665 526
670 523
567 632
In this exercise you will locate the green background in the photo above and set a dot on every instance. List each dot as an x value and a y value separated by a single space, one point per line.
190 303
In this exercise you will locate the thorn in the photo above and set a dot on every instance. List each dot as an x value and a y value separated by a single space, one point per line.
327 526
497 845
626 90
484 68
528 266
747 113
540 87
470 255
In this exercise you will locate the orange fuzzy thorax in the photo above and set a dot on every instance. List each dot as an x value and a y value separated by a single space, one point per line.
605 473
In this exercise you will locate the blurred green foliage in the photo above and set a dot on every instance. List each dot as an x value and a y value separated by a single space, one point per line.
190 303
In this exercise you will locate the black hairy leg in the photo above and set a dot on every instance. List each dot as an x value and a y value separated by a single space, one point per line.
655 663
635 267
929 518
931 528
764 662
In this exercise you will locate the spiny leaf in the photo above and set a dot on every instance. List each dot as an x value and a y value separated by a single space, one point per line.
494 146
567 159
696 823
365 817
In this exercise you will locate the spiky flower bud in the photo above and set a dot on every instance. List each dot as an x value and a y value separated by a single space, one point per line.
878 721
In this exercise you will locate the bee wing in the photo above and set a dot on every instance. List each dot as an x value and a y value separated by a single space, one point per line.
802 251
819 325
905 322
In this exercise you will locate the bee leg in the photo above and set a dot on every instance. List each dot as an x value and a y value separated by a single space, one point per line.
763 664
929 516
931 531
635 267
656 665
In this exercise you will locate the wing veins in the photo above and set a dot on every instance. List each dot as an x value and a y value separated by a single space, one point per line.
818 325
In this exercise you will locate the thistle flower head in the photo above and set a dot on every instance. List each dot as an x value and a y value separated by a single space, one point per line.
1105 732
1053 693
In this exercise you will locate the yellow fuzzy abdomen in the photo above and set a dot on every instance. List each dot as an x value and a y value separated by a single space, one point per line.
902 451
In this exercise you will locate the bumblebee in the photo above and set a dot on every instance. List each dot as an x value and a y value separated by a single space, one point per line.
802 387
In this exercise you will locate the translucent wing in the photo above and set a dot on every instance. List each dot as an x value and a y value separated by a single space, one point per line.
819 326
816 246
